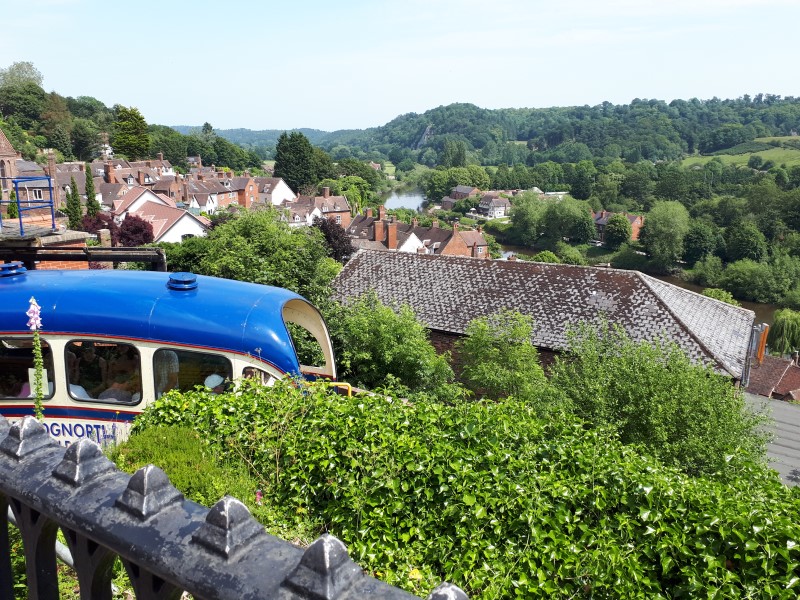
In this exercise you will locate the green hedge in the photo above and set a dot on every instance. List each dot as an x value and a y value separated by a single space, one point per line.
503 504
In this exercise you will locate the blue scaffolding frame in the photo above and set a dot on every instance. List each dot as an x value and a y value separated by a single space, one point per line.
29 204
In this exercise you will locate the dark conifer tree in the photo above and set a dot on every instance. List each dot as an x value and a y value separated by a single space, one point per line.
92 205
74 209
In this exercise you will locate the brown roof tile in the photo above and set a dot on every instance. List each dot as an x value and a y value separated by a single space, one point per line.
447 292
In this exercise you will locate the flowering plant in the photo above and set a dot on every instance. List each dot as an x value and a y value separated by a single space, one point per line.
34 314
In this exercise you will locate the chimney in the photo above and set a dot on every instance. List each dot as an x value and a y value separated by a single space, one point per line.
414 222
369 212
391 236
435 223
480 228
513 257
381 212
796 358
326 192
160 156
378 227
81 167
108 171
185 191
455 227
140 177
148 164
51 164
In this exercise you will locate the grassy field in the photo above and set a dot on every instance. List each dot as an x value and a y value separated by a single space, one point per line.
779 155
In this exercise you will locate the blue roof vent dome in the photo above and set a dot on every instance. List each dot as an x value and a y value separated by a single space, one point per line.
182 281
12 268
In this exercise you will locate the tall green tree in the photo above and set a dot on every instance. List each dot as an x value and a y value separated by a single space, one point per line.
85 139
74 209
618 231
744 240
700 241
130 136
662 234
92 205
20 72
294 160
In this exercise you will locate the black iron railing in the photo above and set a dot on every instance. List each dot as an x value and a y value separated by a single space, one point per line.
167 544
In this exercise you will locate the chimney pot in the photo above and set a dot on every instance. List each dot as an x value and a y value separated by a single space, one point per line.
378 227
369 212
326 192
391 236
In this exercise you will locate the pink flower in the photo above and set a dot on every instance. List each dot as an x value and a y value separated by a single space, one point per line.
34 315
259 497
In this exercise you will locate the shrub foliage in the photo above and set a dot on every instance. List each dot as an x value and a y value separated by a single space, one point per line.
490 497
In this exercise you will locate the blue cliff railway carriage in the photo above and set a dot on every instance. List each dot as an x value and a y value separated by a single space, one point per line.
114 341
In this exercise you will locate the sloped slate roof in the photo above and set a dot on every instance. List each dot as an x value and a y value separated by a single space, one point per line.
447 292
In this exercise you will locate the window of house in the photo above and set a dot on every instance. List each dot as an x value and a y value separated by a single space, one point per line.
37 194
103 371
338 219
480 249
184 370
17 368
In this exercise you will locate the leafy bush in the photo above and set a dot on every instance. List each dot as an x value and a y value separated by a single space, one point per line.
545 256
652 395
499 358
486 495
377 345
721 295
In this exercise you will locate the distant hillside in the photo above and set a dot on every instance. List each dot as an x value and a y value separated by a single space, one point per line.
642 130
249 138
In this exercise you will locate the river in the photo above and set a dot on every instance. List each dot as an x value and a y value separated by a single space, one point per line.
412 199
764 312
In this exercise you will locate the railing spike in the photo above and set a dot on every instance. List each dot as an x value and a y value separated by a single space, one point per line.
228 528
324 572
25 437
447 591
149 492
83 460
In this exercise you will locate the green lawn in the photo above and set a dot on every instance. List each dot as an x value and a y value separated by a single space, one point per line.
779 156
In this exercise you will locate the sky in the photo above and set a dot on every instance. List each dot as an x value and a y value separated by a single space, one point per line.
353 64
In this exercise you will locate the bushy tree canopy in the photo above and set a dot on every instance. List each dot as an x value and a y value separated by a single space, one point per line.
618 231
135 231
130 136
294 161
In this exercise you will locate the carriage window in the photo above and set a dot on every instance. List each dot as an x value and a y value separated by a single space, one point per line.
184 370
107 371
258 375
17 368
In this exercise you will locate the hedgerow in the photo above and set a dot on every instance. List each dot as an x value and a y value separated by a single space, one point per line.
490 497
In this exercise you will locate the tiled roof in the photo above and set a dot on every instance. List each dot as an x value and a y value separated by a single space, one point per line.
6 149
161 217
446 292
472 237
790 381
